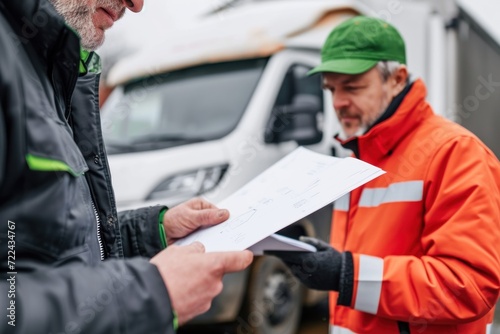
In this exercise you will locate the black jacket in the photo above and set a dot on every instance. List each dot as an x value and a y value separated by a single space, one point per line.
58 218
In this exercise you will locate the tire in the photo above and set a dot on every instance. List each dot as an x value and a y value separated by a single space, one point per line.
273 304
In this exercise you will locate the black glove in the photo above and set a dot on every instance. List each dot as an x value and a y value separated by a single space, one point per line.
318 270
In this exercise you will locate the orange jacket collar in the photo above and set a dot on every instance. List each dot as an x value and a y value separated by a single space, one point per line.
380 140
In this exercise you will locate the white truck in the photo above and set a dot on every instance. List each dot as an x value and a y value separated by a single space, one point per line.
202 111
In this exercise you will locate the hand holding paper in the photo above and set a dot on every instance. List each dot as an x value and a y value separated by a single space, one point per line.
318 270
294 187
280 243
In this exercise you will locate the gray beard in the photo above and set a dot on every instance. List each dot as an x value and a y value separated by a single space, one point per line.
343 136
78 16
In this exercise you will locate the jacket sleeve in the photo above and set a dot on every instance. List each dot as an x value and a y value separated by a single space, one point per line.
457 278
115 297
140 231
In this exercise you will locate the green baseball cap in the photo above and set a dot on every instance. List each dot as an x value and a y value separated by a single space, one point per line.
358 44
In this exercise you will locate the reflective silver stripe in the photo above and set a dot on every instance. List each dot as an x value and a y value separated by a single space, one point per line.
371 273
339 330
342 204
411 191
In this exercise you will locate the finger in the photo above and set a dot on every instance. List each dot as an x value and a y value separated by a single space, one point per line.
200 203
319 244
234 261
210 217
195 247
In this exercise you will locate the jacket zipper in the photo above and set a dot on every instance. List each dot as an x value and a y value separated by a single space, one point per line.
96 215
99 239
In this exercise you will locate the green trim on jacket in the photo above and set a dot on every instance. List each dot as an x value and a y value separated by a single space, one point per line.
48 165
90 62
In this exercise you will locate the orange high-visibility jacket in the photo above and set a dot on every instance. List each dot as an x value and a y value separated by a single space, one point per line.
424 237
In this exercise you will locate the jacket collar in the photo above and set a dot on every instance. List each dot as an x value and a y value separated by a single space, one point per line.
381 139
54 47
38 24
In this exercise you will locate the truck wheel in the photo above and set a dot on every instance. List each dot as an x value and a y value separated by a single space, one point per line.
273 303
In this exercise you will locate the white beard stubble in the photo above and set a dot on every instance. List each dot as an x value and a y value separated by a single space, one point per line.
78 15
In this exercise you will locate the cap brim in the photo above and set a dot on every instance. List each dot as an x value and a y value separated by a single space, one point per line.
345 66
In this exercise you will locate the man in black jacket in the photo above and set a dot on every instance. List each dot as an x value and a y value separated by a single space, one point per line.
69 262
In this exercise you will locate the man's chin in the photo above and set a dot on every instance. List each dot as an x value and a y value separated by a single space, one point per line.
351 133
92 44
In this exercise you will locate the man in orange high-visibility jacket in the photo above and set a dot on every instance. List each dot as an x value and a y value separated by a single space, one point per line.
415 250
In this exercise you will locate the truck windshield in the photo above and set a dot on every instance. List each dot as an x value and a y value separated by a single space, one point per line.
189 105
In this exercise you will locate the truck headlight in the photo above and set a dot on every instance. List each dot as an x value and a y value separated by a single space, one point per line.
187 185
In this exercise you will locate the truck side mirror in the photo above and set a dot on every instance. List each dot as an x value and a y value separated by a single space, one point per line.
297 121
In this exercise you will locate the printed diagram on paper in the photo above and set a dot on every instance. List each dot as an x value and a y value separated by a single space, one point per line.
294 187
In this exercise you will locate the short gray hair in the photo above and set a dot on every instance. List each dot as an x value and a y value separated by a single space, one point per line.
386 68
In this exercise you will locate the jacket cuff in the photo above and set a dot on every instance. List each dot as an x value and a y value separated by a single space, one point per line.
161 227
346 284
153 241
140 233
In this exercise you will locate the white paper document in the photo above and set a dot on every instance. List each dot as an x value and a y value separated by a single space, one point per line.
294 187
278 242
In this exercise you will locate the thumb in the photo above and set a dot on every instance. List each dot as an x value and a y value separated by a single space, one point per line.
200 203
319 244
209 217
234 261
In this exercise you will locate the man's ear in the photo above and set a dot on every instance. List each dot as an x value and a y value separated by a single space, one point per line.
398 80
